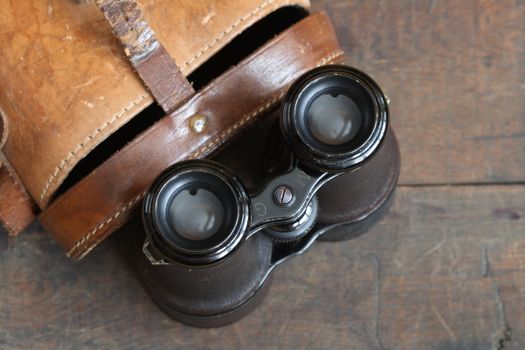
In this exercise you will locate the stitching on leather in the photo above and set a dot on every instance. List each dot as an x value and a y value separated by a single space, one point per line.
201 52
86 251
81 145
121 210
234 25
246 119
220 138
202 150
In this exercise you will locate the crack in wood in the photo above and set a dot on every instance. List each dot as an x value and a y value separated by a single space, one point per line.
496 137
503 334
462 184
485 263
377 289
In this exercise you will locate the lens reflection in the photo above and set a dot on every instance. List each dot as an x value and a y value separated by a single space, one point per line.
196 214
334 120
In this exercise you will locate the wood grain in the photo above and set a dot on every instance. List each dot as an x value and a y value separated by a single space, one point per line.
445 269
455 73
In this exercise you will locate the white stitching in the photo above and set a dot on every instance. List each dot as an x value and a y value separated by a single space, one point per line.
200 52
122 209
129 204
250 116
211 44
81 145
201 151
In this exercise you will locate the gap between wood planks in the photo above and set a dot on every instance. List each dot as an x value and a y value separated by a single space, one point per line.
464 184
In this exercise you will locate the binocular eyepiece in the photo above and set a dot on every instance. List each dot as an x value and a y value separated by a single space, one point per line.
334 118
198 216
196 212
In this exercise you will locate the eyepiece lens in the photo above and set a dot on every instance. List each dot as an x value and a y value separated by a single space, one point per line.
334 120
196 214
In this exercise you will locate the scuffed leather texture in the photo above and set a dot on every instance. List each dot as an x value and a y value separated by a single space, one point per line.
17 210
102 201
157 69
67 85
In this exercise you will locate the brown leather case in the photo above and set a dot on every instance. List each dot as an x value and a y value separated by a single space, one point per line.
68 84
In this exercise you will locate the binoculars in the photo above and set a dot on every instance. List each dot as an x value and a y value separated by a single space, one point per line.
330 164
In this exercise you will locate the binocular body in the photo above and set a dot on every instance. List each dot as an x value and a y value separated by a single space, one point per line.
207 245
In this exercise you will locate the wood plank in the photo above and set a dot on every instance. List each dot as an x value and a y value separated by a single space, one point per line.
443 270
455 73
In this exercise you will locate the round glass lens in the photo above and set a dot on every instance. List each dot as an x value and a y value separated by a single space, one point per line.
334 120
196 214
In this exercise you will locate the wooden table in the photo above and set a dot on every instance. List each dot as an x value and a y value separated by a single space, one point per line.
444 270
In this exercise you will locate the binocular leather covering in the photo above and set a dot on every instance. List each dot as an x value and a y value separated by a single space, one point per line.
222 293
222 289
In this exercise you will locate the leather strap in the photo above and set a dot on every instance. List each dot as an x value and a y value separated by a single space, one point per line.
17 209
150 59
102 201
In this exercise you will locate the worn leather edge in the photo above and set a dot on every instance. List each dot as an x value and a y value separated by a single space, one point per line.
87 144
17 209
3 128
75 221
159 72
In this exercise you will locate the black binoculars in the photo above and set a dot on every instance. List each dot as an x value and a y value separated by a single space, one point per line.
331 162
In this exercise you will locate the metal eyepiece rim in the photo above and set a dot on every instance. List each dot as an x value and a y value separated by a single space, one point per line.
175 252
321 159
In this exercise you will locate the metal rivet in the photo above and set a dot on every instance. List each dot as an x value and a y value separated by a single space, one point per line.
198 123
283 195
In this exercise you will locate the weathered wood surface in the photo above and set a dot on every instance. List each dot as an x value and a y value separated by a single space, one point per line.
455 72
445 269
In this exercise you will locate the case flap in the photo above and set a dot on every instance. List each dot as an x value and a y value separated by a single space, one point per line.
66 84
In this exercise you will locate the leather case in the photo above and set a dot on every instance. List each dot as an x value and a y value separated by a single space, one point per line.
98 98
